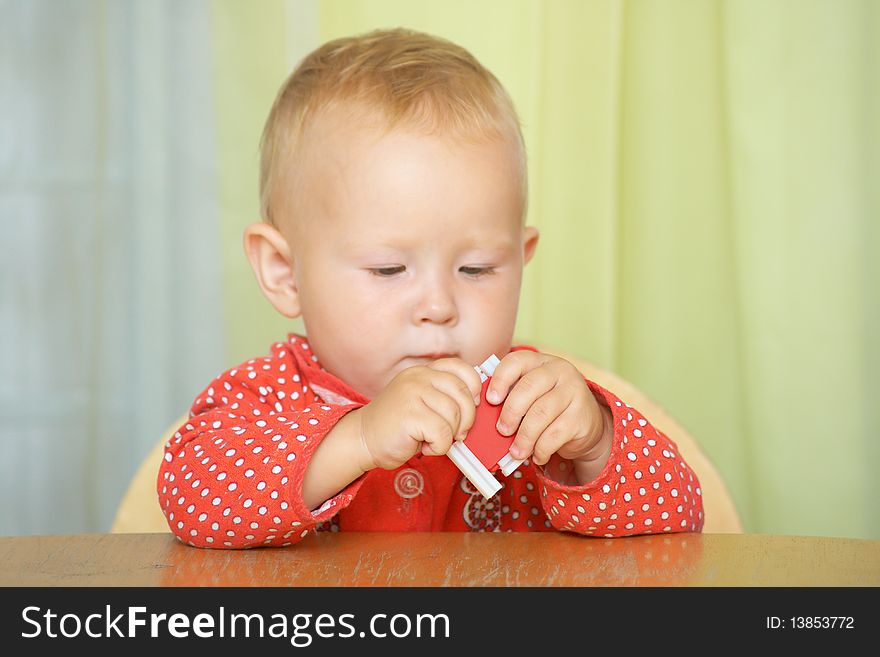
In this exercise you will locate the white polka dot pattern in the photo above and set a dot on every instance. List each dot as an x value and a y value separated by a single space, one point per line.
645 488
231 475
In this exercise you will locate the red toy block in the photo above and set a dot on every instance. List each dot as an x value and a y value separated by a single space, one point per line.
484 440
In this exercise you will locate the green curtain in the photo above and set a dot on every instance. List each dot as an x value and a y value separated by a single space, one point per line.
701 172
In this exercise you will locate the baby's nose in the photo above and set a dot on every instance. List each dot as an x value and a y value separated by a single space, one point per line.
436 306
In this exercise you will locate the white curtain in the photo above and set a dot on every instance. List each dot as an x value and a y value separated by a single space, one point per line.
110 297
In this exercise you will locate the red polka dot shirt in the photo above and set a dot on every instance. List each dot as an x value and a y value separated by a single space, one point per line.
232 474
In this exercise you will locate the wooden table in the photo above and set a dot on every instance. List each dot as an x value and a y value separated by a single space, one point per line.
444 559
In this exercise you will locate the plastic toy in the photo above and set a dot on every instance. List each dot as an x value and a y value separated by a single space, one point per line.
485 450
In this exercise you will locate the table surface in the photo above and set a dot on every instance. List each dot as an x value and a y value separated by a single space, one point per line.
444 559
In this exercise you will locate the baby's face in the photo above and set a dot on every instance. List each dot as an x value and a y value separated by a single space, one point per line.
407 248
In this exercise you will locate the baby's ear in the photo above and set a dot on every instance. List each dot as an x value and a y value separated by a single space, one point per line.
271 260
530 242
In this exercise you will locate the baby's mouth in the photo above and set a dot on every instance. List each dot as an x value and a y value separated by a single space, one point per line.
433 355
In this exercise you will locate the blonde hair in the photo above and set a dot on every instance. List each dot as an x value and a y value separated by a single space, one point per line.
409 78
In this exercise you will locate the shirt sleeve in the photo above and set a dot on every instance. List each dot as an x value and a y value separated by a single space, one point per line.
232 474
646 487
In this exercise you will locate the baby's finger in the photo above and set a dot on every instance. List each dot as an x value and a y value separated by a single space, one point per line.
539 417
445 406
438 431
465 373
529 389
511 368
458 393
560 434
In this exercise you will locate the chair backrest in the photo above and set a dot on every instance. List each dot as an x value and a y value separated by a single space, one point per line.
139 509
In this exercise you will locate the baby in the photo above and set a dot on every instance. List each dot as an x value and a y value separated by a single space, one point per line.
393 192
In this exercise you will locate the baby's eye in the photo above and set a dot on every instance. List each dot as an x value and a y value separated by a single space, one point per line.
476 272
387 271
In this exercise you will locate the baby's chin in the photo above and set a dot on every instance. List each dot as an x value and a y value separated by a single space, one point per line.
371 386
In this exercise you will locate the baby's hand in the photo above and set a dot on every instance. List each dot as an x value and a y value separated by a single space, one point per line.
555 411
423 409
